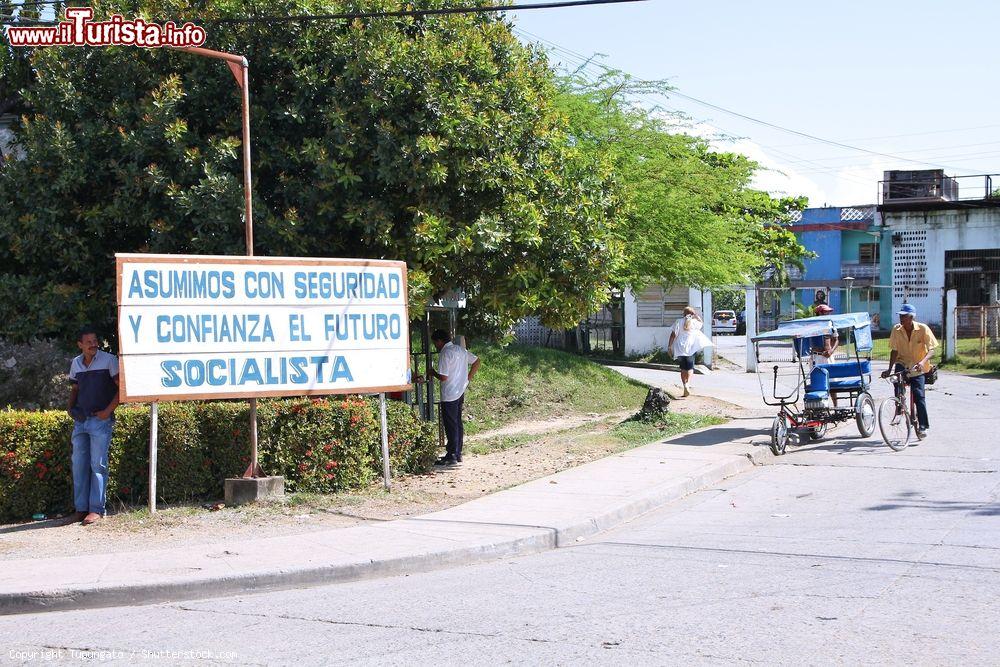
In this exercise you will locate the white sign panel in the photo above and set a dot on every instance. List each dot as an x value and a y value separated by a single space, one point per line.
192 327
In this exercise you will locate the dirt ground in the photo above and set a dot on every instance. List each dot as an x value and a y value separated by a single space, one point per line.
509 456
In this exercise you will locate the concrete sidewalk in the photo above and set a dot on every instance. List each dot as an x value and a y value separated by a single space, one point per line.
544 514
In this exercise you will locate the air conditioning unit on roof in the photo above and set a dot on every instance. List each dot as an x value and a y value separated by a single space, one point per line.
926 185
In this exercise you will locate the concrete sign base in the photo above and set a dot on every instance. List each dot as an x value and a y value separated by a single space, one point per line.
243 490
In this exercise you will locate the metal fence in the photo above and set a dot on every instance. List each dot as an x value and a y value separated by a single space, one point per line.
601 334
881 302
978 336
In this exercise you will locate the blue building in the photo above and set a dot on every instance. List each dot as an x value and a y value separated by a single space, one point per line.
849 248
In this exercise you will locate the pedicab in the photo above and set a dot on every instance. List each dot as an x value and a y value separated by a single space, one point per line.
811 397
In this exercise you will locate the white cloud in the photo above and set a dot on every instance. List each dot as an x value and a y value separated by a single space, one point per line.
824 184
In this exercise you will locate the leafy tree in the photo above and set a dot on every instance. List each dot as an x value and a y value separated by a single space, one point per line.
688 214
15 68
433 140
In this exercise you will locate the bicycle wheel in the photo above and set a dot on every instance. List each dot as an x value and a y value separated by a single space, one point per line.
894 424
779 435
864 414
819 432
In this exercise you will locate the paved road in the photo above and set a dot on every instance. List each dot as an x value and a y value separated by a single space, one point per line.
843 552
732 348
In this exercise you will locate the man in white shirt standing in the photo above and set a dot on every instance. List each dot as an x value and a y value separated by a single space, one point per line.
456 368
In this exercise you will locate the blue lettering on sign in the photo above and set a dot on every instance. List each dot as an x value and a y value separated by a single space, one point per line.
264 285
213 328
182 284
170 368
370 326
346 285
341 371
214 379
218 372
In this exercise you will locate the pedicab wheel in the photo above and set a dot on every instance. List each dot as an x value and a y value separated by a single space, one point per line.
779 435
864 414
818 432
894 424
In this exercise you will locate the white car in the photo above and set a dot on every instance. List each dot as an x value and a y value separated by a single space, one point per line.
724 321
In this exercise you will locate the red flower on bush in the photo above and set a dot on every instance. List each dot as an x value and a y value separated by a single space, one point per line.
327 449
303 467
309 453
331 476
126 490
47 453
330 465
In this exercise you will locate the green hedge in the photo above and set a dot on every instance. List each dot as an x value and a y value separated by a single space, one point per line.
322 445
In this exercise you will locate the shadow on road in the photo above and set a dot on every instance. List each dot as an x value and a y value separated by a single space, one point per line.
717 436
842 445
909 500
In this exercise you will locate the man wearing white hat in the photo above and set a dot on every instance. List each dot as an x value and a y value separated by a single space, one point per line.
912 345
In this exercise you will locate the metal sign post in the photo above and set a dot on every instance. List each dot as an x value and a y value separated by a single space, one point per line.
154 422
386 475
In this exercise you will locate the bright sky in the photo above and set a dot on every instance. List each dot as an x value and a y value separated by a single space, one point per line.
917 80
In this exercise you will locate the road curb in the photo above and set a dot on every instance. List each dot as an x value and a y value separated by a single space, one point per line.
699 369
533 539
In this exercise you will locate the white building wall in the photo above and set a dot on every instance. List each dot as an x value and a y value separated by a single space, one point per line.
6 136
642 340
926 236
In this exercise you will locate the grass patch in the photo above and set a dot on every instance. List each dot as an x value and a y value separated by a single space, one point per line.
516 383
500 443
634 432
620 436
967 359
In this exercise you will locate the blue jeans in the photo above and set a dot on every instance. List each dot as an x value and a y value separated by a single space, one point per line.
91 441
918 389
451 413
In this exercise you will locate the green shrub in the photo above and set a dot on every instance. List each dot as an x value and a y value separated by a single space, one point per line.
321 445
34 375
35 469
413 443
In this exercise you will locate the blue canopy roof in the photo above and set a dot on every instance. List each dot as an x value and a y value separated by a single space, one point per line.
822 325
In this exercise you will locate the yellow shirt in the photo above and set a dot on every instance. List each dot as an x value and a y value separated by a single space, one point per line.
914 347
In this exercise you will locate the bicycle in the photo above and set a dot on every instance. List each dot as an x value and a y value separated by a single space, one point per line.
897 416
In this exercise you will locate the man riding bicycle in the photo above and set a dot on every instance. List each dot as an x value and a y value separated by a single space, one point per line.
912 345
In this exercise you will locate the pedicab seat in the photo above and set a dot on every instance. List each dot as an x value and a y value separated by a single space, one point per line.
847 375
819 385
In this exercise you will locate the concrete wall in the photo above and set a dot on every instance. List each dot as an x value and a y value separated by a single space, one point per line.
826 245
939 231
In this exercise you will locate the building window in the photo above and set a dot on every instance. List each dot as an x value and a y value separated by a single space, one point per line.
868 253
659 307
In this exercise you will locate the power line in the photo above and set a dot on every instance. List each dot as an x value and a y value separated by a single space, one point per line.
812 137
806 134
909 134
392 14
423 12
585 63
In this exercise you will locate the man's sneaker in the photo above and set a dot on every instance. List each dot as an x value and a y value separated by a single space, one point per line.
687 392
93 517
921 433
445 461
458 458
